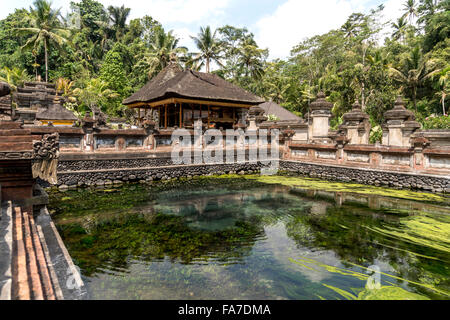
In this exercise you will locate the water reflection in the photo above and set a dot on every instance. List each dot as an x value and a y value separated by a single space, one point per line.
237 238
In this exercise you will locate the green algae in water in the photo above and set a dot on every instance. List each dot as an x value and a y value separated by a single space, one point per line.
232 237
316 184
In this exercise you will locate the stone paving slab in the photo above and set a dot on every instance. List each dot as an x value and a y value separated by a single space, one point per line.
6 237
68 277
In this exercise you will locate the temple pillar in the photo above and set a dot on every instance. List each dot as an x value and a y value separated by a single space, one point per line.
356 125
400 125
321 114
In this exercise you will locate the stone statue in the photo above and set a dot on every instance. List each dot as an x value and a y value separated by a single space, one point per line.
99 117
45 157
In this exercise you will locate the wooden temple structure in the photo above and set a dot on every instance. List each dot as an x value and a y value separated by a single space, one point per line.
177 98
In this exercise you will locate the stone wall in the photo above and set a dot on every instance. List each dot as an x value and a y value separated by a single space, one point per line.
80 173
369 176
117 176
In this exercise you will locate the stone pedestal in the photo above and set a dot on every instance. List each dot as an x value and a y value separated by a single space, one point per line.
320 114
400 125
356 125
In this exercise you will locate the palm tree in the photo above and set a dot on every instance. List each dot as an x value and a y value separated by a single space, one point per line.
94 94
15 77
47 29
410 8
118 17
161 51
415 71
349 29
250 57
444 87
399 29
210 47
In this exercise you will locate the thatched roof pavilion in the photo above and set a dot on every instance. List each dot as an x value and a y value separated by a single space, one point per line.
181 97
56 114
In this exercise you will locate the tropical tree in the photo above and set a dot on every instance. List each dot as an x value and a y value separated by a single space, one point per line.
47 29
66 87
15 77
118 17
416 69
444 87
399 29
162 50
410 9
251 58
209 46
94 94
349 29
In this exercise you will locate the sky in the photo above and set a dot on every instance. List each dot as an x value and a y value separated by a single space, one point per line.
277 24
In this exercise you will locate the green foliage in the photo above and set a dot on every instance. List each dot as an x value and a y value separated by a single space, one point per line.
272 117
376 134
437 122
94 93
14 77
346 63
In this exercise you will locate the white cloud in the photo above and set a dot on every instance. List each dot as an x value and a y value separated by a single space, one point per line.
171 11
184 34
294 21
393 9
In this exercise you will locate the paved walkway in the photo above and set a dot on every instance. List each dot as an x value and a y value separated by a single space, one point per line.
34 260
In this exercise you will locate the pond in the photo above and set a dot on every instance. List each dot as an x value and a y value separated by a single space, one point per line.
257 237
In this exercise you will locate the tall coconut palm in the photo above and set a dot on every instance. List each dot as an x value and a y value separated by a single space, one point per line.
444 86
349 29
209 46
416 69
399 29
410 9
161 51
250 57
46 29
118 17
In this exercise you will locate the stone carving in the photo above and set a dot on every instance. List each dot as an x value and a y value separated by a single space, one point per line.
47 148
148 122
99 117
15 155
4 89
45 157
356 125
6 111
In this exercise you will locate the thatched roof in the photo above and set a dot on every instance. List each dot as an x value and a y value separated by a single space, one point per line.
172 82
56 112
271 107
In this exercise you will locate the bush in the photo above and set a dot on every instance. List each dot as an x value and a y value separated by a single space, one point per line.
376 134
436 122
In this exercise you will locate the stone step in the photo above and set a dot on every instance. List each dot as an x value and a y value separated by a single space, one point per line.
6 249
20 287
33 272
14 132
20 138
10 125
32 279
16 146
47 283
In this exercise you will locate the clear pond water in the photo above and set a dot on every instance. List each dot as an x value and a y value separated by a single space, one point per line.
257 237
